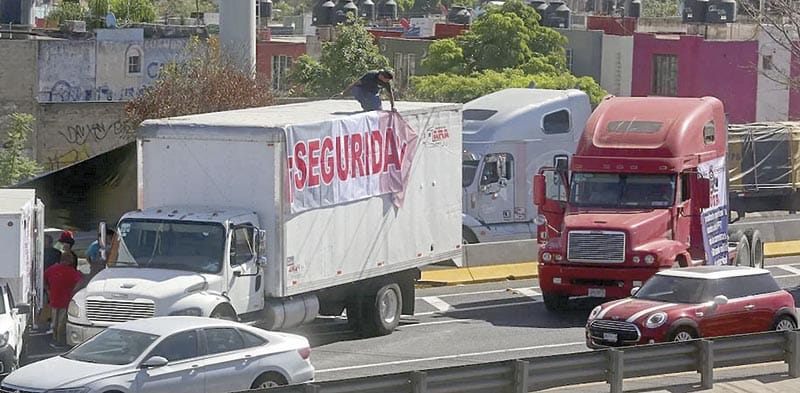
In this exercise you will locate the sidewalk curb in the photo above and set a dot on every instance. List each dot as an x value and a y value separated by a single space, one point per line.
528 270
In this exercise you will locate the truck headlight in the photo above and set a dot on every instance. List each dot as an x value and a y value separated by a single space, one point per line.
656 320
547 257
649 259
73 310
595 312
190 312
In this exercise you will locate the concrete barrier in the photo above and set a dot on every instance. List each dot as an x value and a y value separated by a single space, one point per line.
496 253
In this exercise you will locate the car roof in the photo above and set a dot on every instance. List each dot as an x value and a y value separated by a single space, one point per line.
162 326
713 272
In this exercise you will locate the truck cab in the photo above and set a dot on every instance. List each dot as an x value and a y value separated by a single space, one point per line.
646 190
507 136
175 261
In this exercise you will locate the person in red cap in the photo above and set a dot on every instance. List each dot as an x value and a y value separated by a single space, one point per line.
60 281
67 241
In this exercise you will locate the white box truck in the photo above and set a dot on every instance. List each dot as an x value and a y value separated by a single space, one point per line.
279 214
21 249
508 136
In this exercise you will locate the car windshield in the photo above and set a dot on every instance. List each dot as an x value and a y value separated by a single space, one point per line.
112 346
670 289
613 190
190 246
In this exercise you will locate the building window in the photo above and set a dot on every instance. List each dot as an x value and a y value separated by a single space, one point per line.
412 64
281 65
134 56
569 60
766 62
665 75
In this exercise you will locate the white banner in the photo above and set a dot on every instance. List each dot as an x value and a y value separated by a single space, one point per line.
347 159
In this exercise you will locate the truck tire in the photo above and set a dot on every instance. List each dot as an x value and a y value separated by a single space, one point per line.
555 303
756 247
380 314
224 311
467 236
743 257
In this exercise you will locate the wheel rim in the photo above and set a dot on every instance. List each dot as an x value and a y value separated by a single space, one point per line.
683 336
268 384
388 306
758 255
744 256
785 324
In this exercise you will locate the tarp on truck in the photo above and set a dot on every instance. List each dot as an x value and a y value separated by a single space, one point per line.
763 157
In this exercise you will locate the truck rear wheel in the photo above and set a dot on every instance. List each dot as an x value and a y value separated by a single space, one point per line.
743 257
756 247
555 302
380 314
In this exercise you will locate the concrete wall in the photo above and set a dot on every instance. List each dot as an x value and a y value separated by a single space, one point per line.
587 51
17 77
773 92
724 69
617 64
393 47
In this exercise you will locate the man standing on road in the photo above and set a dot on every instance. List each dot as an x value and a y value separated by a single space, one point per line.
60 281
367 89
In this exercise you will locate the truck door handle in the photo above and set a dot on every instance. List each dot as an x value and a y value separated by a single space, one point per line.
749 307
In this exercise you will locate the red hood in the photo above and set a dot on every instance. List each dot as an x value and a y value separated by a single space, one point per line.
625 309
641 225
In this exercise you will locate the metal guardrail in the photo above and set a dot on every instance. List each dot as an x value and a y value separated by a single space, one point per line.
610 365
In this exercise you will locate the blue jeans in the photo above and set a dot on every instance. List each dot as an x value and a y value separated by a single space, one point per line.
369 101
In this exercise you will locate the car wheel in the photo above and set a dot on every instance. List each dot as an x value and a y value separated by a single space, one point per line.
683 334
785 323
555 302
268 380
223 311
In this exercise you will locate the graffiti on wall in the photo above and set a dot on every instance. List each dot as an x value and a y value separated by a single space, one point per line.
61 159
80 134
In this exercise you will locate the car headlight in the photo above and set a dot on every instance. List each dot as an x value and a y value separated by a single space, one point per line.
649 258
191 312
595 312
4 339
547 257
73 310
656 320
68 390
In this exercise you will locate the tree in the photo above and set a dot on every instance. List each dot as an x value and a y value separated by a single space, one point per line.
133 10
659 8
176 8
342 61
201 81
444 56
779 21
14 165
65 11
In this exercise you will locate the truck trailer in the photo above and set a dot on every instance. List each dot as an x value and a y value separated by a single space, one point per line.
276 215
648 190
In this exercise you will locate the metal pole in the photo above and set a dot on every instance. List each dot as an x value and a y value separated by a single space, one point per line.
521 371
419 382
615 367
706 366
793 352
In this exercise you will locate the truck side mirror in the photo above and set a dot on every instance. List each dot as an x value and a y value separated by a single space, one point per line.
261 246
561 162
102 241
539 189
23 308
702 195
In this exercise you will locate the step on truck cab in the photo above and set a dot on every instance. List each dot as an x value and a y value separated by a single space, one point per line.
279 214
508 136
646 190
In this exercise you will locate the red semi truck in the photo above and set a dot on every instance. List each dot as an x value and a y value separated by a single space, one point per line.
646 190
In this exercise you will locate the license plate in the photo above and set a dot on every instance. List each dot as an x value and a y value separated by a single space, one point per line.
597 292
610 337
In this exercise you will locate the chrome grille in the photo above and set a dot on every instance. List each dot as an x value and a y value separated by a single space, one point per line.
98 310
625 331
596 246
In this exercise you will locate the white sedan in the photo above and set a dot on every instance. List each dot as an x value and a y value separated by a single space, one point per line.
171 354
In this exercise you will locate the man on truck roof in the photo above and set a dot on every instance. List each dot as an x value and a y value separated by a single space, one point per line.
367 89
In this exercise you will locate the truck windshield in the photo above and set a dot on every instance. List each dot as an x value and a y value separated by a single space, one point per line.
622 190
191 246
468 169
673 289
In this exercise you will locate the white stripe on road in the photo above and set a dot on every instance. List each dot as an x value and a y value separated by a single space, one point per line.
789 269
529 292
437 303
481 292
452 310
463 355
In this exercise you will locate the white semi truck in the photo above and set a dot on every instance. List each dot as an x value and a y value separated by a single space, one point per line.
279 214
21 252
508 136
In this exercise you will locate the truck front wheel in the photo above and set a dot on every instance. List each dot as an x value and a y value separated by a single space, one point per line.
555 302
224 311
381 313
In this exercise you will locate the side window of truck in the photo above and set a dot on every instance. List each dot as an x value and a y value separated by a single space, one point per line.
556 122
242 246
684 187
708 133
496 167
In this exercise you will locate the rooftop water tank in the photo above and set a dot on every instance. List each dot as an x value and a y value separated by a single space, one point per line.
367 9
635 9
388 10
327 14
721 11
459 15
265 9
694 11
560 17
350 10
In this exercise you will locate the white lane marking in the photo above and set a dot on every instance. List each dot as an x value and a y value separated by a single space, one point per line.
636 316
482 292
463 355
474 308
789 269
529 292
607 309
437 303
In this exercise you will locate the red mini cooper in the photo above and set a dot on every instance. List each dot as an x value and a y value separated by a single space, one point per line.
683 304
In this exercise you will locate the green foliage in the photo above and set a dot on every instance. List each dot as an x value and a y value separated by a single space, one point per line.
444 56
133 10
342 61
659 8
95 12
65 11
463 88
14 166
176 8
